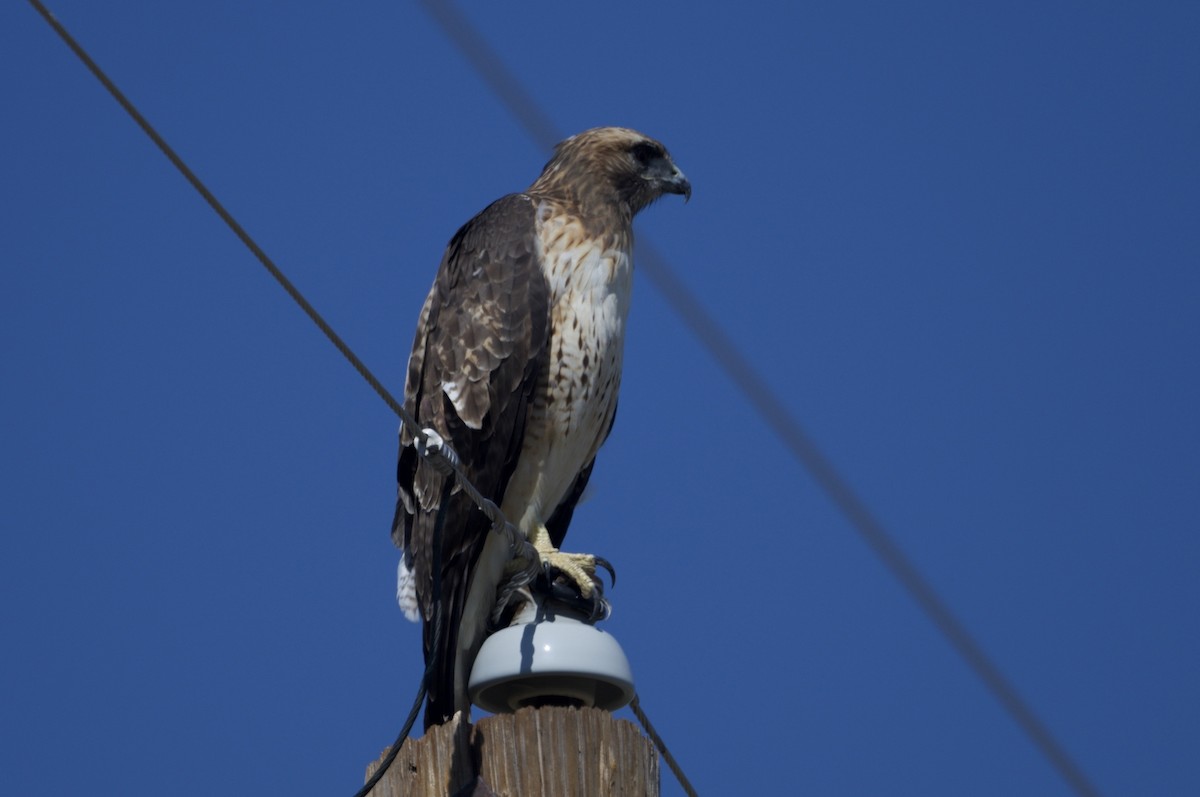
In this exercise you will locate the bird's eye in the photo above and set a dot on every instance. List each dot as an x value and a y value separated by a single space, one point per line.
645 152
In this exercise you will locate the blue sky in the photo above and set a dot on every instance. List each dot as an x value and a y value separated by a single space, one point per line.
959 241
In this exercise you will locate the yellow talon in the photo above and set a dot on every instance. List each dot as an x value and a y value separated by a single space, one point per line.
579 568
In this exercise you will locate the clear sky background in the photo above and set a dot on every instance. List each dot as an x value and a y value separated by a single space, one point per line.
961 241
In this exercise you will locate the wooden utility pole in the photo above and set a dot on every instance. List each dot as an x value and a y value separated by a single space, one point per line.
536 752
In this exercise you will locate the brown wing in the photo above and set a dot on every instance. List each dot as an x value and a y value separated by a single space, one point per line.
479 351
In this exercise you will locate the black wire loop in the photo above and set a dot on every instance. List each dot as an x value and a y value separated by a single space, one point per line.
438 525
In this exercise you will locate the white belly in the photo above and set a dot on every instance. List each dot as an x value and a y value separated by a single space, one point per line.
573 409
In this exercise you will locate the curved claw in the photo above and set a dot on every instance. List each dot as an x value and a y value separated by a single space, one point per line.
593 608
607 565
555 575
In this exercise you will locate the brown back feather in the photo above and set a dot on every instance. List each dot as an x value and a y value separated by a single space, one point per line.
485 331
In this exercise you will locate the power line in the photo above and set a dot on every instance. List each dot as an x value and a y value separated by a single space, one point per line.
439 526
428 442
493 71
538 125
220 210
635 706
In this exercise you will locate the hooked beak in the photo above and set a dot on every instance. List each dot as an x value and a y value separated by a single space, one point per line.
678 184
669 179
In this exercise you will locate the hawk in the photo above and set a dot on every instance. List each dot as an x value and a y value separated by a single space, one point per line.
516 364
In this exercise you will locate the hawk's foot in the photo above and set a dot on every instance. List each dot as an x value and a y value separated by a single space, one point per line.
567 578
554 588
577 569
570 581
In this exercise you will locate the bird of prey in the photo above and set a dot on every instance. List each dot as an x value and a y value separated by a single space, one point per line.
516 364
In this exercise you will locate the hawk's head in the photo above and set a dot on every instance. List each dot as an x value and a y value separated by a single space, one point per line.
612 164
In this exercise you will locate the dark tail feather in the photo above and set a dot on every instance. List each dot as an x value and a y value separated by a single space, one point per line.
440 701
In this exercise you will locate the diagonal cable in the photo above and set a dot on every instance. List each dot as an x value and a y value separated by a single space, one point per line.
429 444
635 706
493 71
701 323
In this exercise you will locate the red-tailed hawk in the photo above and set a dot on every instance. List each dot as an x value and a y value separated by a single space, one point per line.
516 363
